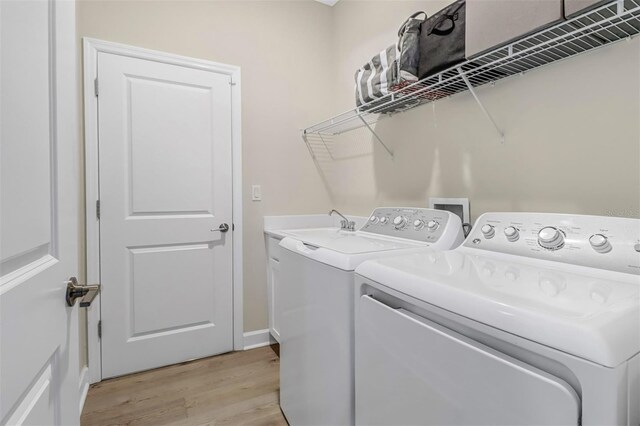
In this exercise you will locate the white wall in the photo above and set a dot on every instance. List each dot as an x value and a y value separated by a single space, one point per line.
572 132
572 129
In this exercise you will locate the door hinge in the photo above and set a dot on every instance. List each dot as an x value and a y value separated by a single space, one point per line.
100 329
95 86
98 209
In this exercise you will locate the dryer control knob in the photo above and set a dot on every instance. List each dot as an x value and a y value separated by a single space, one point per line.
488 231
384 220
512 234
600 243
374 219
418 224
551 238
399 222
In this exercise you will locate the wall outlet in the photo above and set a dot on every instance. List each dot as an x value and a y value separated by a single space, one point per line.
256 193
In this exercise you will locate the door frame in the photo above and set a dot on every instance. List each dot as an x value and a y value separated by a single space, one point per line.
91 48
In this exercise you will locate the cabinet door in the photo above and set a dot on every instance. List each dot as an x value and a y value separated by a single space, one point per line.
427 374
274 306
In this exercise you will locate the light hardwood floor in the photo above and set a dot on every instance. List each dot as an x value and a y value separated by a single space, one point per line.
239 388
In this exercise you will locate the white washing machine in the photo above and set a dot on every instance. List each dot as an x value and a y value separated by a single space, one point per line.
317 279
534 320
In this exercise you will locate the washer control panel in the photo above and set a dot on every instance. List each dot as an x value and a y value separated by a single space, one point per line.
417 224
611 243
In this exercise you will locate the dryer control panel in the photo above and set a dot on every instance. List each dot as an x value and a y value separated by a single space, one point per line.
419 224
611 243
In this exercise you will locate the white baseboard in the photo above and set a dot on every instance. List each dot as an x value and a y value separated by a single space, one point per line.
83 386
257 339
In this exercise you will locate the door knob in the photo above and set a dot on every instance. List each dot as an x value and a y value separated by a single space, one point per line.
222 228
76 291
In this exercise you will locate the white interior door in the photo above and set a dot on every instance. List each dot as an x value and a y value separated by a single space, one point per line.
39 213
165 186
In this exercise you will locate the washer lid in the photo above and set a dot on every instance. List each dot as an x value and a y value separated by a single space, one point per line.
349 242
342 249
594 318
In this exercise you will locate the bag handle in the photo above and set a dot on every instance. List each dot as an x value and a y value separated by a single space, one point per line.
453 17
404 24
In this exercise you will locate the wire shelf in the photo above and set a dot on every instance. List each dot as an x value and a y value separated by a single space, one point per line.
614 21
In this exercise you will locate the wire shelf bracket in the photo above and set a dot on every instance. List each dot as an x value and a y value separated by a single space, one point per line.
480 104
306 141
375 135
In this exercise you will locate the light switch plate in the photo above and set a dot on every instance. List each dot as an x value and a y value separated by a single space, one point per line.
256 193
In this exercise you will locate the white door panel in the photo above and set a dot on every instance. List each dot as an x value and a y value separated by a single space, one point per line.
165 183
155 274
39 213
26 116
170 147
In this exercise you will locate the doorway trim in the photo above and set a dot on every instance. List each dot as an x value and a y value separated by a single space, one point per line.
91 48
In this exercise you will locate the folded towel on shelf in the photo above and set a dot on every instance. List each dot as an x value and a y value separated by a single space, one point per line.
391 69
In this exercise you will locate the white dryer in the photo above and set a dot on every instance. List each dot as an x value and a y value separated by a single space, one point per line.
317 279
534 320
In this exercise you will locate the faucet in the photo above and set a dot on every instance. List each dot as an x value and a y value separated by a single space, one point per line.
345 224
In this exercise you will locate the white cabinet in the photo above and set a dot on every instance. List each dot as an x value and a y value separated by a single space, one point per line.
273 285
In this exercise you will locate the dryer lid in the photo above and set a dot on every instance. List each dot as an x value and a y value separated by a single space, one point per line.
567 307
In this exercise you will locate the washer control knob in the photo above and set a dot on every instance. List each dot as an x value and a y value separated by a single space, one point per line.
637 248
487 271
374 219
600 243
511 274
550 286
488 231
432 225
384 220
551 238
512 234
418 224
399 222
